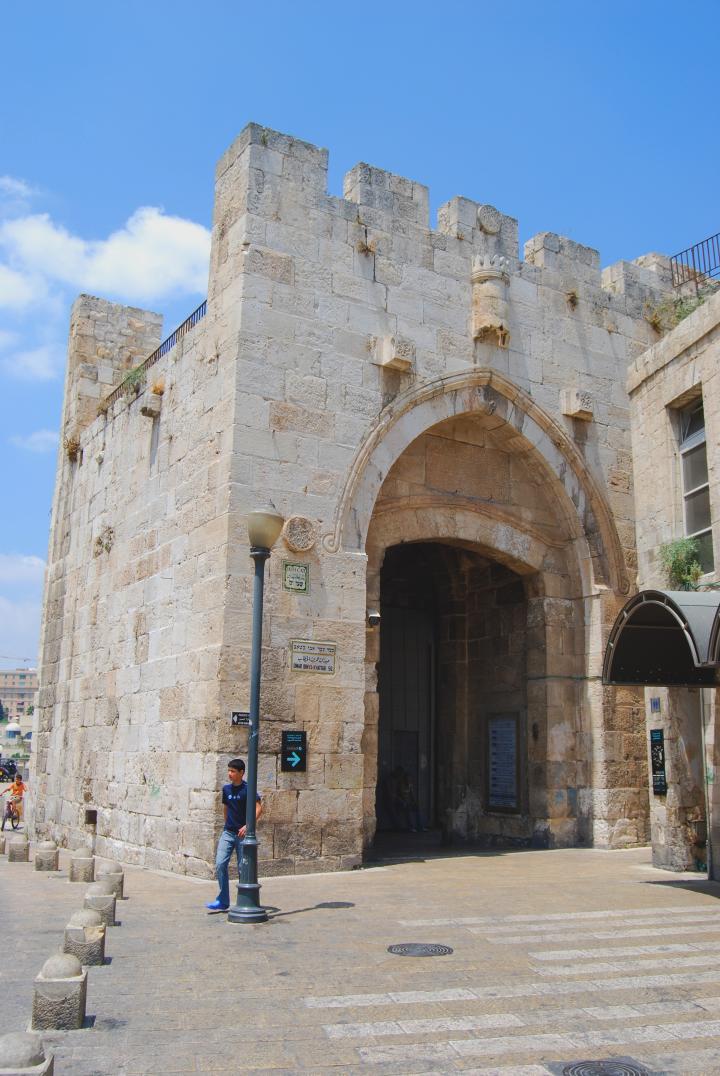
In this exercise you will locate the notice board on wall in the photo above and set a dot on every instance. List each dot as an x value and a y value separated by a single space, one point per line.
502 763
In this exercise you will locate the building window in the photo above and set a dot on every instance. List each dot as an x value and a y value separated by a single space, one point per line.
695 487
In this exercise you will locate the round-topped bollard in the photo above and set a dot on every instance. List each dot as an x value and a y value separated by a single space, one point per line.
22 1054
18 849
46 856
82 865
100 897
85 937
60 994
113 872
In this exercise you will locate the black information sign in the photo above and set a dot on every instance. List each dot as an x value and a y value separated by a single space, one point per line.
294 752
657 760
240 717
503 763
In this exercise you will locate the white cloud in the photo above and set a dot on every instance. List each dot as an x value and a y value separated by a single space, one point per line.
15 194
38 441
8 338
17 289
42 363
20 569
19 628
151 257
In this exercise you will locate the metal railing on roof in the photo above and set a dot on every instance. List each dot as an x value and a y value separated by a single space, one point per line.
697 264
138 372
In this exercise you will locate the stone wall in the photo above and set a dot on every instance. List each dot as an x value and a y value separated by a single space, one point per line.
338 330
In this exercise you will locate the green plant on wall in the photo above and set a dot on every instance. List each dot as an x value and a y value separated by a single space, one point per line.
135 378
681 561
670 312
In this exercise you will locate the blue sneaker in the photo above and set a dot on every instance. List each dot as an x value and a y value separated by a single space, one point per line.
216 906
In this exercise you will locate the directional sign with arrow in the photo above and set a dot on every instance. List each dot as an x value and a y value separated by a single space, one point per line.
294 752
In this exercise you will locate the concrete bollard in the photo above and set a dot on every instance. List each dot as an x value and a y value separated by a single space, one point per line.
82 866
85 937
100 898
114 873
22 1054
3 839
18 849
60 995
47 856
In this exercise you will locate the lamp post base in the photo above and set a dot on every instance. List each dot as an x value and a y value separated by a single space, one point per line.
247 908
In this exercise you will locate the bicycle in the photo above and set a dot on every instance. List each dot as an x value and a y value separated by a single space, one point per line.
11 815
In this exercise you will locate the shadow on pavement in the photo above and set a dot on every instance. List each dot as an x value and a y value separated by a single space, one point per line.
702 885
275 913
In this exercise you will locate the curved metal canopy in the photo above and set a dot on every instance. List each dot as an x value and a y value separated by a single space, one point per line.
664 637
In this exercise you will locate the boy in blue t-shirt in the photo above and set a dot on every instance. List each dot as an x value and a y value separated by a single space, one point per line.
234 797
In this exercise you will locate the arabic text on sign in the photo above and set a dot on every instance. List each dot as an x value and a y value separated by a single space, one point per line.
307 656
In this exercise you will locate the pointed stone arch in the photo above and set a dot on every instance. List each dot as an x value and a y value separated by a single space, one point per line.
579 496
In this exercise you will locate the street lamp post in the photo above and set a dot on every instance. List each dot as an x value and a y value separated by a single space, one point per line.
264 528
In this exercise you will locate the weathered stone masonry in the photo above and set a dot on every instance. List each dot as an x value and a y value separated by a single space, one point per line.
389 383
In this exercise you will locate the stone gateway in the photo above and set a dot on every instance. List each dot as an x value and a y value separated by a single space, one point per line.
445 427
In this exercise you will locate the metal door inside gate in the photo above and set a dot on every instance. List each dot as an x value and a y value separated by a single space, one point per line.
407 691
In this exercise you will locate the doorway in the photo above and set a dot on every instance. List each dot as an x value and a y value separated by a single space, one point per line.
452 685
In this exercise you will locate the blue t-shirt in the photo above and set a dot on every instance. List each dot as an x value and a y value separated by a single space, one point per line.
235 799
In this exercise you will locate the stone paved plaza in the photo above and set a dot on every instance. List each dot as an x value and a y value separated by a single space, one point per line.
558 957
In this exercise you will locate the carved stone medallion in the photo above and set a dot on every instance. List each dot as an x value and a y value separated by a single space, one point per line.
489 219
299 534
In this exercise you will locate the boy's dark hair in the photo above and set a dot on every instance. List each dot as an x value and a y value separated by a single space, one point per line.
236 764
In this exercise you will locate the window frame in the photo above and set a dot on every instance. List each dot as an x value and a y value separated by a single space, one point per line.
687 442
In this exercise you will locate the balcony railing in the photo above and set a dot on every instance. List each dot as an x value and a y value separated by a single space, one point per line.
137 374
697 264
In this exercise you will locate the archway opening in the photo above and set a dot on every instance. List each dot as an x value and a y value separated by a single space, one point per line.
452 682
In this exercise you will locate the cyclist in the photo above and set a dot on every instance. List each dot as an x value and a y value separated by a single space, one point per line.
17 790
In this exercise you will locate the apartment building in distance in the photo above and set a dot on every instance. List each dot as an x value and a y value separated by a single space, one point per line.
17 694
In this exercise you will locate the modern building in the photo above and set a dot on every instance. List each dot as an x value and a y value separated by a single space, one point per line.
444 423
674 392
17 695
18 688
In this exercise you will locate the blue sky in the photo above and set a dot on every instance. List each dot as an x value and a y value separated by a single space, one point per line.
594 121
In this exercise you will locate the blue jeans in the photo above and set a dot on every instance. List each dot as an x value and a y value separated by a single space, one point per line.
228 843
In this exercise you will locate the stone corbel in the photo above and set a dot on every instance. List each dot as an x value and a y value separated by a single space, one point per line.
490 307
393 353
576 403
151 405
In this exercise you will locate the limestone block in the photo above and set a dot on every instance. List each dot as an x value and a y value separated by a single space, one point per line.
82 866
60 995
22 1054
151 404
47 856
100 898
342 838
113 873
18 849
85 937
393 352
576 403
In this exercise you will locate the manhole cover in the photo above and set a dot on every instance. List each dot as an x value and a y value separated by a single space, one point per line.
608 1067
418 949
